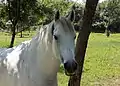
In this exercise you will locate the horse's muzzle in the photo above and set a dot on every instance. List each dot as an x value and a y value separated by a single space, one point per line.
70 67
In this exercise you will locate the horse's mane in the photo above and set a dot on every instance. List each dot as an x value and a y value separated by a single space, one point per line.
43 31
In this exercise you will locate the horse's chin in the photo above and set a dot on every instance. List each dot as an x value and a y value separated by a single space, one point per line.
69 74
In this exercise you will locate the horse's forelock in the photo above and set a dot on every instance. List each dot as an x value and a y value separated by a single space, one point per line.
65 24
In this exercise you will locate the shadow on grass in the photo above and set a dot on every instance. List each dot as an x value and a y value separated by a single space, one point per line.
23 37
61 70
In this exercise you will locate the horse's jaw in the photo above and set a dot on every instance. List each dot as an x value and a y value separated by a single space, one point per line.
49 67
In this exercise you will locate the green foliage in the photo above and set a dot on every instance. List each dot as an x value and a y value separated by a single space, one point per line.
27 12
20 12
47 9
2 16
33 12
79 11
112 10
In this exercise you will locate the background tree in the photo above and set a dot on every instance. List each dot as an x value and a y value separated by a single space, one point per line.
47 9
107 15
19 10
14 15
82 40
3 16
78 16
112 12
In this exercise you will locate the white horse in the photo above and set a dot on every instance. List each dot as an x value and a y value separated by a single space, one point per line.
36 62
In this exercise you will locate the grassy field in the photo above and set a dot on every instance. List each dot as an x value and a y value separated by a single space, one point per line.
102 62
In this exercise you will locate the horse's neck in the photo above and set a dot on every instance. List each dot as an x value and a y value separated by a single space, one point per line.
41 59
42 48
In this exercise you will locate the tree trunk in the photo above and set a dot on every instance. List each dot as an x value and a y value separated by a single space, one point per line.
29 30
82 41
14 16
21 34
13 37
17 30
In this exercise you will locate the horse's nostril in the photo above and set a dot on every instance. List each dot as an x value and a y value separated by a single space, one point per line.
70 67
66 66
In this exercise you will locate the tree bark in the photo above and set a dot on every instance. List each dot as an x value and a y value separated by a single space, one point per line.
82 41
13 37
29 30
21 34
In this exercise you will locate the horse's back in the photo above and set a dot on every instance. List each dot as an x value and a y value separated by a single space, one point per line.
4 52
9 59
3 71
5 78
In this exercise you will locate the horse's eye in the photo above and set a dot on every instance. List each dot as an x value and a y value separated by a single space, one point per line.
74 37
55 37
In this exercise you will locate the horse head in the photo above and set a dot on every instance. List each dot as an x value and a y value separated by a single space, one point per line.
63 44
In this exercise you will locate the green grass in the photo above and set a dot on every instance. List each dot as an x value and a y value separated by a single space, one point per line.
102 62
6 37
102 59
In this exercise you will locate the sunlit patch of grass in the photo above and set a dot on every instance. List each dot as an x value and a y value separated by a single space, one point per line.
62 79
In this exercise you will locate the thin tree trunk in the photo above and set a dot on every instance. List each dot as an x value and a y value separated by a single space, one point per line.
14 15
82 41
13 37
21 34
17 30
29 30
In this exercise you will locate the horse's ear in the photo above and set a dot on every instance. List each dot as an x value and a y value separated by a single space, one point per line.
57 15
71 16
